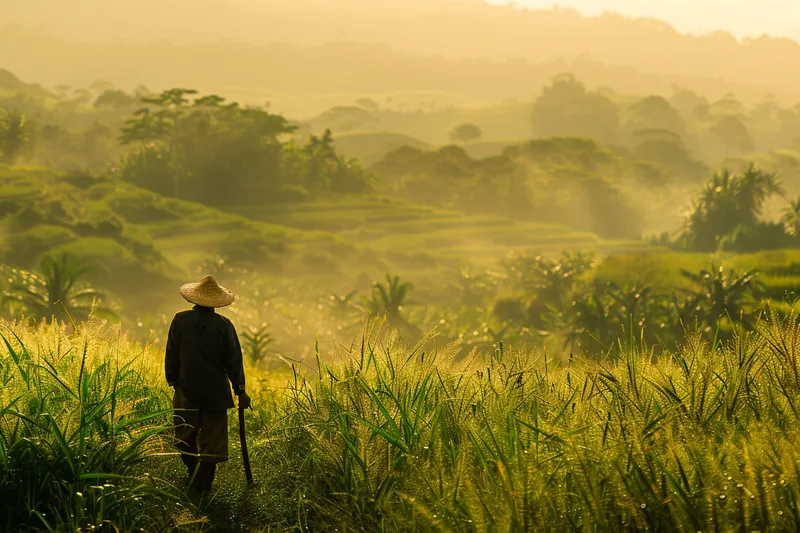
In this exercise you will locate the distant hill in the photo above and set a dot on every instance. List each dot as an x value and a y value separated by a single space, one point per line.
10 84
370 147
440 27
302 82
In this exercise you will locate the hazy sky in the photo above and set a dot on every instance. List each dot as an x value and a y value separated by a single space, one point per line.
740 17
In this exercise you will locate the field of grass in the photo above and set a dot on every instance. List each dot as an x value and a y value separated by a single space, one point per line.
779 270
385 437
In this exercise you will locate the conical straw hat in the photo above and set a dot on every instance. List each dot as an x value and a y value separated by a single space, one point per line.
208 293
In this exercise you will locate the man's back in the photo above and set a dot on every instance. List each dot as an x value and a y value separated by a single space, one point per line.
203 354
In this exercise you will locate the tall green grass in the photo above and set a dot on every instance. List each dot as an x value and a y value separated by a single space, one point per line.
384 437
78 413
704 439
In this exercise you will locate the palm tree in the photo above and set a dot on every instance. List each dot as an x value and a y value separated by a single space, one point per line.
389 299
606 314
754 187
15 133
58 292
791 217
473 288
728 202
717 295
546 283
343 305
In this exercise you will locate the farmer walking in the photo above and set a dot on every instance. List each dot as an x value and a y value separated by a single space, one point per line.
203 355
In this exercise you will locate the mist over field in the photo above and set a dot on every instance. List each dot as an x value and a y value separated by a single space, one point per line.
496 267
359 46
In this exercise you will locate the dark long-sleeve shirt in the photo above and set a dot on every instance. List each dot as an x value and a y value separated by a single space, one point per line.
203 355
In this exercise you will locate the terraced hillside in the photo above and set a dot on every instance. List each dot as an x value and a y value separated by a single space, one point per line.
114 225
392 227
134 238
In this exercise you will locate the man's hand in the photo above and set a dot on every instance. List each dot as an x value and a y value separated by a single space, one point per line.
244 401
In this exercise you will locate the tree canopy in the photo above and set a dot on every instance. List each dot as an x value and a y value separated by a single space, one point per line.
729 205
466 133
567 109
206 150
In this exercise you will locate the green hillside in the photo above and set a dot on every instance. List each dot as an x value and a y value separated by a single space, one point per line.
138 243
133 238
394 227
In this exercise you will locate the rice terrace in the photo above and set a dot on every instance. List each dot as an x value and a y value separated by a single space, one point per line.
399 266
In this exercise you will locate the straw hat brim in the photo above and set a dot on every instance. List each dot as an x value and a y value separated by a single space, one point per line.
207 296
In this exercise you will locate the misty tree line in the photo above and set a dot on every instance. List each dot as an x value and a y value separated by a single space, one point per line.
555 180
215 153
207 150
669 129
196 148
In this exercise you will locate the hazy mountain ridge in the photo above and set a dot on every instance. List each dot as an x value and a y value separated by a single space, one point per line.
304 81
472 29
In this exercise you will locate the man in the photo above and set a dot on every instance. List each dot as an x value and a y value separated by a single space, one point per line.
203 355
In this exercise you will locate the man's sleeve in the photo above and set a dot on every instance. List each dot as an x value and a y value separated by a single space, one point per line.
234 366
172 362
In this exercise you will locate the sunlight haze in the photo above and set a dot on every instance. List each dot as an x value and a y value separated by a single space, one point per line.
743 18
457 265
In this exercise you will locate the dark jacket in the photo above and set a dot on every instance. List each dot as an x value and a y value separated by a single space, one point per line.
203 354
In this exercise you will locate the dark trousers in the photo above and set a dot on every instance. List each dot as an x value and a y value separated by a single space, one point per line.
202 437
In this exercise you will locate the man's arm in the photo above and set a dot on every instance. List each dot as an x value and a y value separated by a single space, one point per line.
172 361
234 366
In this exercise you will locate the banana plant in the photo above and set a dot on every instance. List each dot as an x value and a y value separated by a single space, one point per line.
257 341
58 290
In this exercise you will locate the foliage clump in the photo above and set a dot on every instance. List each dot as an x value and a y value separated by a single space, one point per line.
207 151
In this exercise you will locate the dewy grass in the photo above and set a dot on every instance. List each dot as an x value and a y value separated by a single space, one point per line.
78 413
390 438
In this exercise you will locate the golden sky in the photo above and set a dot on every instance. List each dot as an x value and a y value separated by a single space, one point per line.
741 17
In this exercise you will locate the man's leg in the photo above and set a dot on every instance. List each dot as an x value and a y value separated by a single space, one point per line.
205 476
212 442
187 424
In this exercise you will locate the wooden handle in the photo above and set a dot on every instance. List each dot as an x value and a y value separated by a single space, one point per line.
245 456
